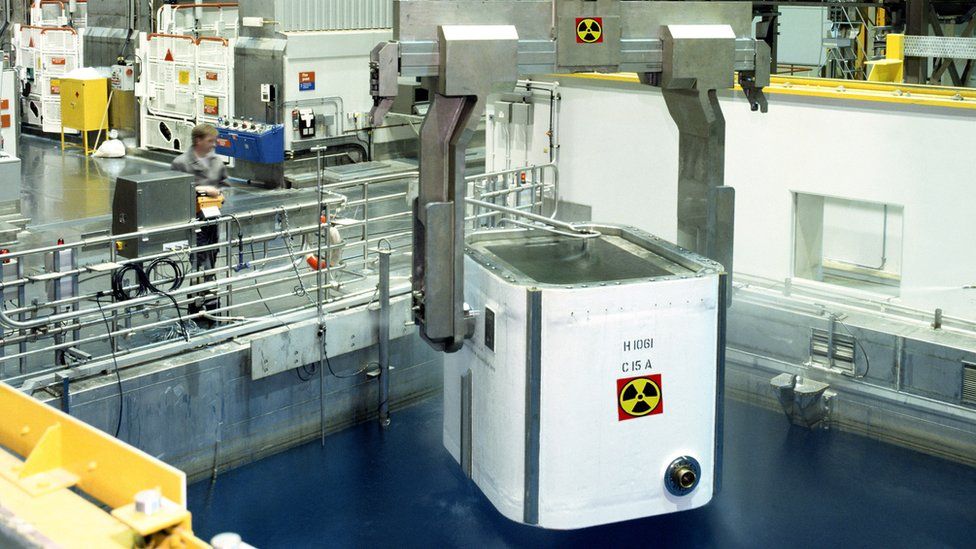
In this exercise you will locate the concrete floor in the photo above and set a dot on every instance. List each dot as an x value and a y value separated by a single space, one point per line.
66 195
784 487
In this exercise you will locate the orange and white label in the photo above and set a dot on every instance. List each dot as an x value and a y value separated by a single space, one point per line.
212 76
55 87
211 106
60 61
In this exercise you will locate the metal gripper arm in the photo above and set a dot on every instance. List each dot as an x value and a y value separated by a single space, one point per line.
470 48
474 61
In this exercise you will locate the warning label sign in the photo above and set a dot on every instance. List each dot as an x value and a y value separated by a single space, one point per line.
211 105
639 397
184 78
589 30
306 81
55 87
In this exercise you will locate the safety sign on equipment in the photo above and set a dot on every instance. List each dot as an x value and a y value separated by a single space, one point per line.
589 30
211 105
639 397
306 81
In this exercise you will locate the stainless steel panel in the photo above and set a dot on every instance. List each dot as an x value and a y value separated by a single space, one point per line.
538 258
297 345
440 283
533 406
10 181
418 19
152 200
327 15
581 55
265 59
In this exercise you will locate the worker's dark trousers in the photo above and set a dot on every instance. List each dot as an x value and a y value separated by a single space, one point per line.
207 260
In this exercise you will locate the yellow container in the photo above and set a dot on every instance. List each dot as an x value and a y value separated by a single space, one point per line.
84 104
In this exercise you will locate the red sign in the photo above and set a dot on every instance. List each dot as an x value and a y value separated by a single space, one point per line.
306 81
169 56
212 76
58 61
639 397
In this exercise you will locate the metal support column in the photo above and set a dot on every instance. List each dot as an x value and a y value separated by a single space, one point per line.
438 236
706 207
916 24
384 337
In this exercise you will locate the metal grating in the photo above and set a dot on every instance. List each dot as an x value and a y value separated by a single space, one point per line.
332 15
969 383
951 47
843 350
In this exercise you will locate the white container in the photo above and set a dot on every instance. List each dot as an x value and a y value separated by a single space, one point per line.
542 407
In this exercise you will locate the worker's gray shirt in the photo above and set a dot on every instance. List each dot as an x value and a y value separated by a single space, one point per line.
207 171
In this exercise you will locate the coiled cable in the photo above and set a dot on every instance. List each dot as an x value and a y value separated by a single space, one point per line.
145 285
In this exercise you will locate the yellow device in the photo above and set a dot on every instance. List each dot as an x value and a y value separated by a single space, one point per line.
84 106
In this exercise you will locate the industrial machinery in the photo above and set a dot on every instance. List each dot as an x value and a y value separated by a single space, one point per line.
276 64
469 50
49 47
9 103
187 72
307 70
251 141
152 200
587 394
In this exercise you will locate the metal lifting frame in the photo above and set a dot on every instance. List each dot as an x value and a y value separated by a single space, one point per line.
469 48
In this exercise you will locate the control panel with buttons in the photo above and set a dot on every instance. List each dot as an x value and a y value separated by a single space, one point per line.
246 139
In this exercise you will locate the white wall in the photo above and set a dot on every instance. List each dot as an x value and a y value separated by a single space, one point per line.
619 155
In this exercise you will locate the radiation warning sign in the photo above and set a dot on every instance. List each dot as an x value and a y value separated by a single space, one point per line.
589 30
639 397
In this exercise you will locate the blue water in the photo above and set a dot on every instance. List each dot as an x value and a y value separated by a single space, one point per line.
784 487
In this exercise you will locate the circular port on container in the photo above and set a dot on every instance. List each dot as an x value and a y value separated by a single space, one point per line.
682 476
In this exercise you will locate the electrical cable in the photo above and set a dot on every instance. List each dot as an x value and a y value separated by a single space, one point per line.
867 361
118 375
145 285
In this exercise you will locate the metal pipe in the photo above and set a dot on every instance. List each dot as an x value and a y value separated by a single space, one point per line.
196 275
384 337
320 296
174 347
162 304
541 219
63 317
254 214
831 326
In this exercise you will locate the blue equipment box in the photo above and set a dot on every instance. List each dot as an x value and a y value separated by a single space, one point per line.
261 143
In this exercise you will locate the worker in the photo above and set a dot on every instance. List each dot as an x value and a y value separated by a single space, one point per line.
202 162
210 174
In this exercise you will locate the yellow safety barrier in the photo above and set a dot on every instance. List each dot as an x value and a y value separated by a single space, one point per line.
46 454
892 67
850 90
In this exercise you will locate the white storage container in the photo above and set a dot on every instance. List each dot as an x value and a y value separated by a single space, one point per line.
590 392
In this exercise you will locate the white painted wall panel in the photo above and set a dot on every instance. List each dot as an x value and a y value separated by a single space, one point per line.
620 150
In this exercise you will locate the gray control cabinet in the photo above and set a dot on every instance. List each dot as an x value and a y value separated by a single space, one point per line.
147 201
